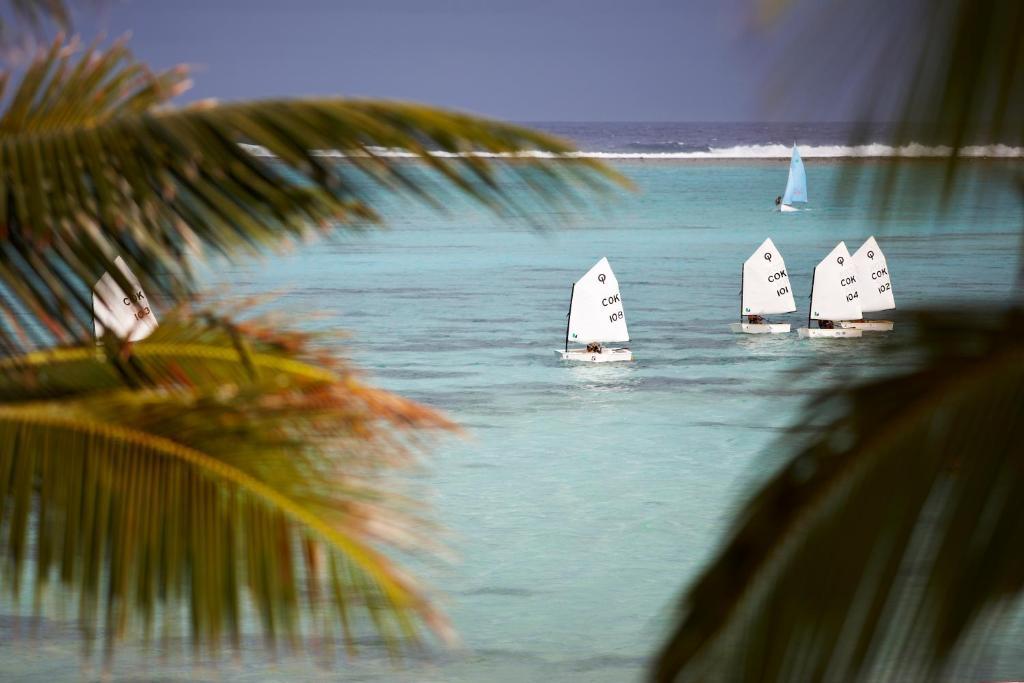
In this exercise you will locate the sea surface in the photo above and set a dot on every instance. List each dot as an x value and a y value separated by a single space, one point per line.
582 499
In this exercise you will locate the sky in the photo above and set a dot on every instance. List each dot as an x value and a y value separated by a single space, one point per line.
522 60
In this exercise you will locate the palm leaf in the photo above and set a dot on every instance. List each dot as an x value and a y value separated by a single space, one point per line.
890 536
23 18
243 470
945 73
91 170
965 84
884 539
952 68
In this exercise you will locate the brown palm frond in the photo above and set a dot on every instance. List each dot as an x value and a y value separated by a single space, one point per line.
242 471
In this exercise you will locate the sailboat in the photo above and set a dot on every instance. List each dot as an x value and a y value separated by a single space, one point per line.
596 316
127 316
874 286
764 289
834 296
796 185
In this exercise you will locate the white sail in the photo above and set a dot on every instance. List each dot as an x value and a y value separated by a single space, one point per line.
596 313
834 296
127 316
796 184
766 286
873 282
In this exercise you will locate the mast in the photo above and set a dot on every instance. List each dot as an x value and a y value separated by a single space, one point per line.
811 298
568 317
741 293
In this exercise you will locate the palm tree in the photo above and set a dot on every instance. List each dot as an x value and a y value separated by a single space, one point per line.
887 545
219 467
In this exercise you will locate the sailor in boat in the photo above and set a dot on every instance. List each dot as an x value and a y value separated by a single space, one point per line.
870 263
596 318
778 202
764 291
826 325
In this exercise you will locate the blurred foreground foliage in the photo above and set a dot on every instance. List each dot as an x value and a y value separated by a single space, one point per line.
210 464
887 547
93 167
216 468
887 534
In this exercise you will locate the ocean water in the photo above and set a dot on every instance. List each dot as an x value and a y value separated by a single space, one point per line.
582 499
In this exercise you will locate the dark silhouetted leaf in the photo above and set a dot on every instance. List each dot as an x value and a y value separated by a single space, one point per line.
884 538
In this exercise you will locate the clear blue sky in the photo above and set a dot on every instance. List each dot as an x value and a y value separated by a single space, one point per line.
524 60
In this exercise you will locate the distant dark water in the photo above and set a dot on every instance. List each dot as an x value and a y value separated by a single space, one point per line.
694 137
752 139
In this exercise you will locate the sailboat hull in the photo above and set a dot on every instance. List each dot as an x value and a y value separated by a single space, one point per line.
754 328
602 356
868 325
786 208
837 333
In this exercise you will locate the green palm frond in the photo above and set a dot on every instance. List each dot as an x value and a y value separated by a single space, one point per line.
243 473
886 537
187 349
66 88
90 170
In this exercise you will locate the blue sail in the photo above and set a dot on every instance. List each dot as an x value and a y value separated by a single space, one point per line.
796 187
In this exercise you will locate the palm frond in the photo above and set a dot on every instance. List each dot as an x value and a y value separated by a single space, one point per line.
964 86
883 539
188 350
24 18
243 472
948 73
90 170
68 88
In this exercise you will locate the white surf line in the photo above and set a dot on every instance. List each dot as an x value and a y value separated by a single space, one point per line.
871 151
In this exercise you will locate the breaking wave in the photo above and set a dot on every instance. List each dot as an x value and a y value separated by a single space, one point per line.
869 151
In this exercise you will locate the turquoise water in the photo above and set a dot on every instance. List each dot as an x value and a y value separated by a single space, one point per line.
583 498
